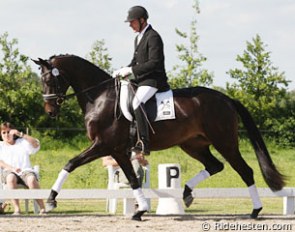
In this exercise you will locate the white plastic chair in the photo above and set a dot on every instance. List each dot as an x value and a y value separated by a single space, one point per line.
128 203
3 187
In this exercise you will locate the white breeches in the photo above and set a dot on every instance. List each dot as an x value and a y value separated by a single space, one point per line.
142 95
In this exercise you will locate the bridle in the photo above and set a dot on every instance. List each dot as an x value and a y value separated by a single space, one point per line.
58 95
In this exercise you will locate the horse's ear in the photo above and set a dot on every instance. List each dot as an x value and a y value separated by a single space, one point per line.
42 62
36 61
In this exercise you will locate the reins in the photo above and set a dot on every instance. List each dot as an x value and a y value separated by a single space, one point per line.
61 97
88 89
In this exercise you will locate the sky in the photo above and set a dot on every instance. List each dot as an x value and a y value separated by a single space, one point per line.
51 27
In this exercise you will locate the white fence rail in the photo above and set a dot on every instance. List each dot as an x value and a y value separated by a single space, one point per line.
288 194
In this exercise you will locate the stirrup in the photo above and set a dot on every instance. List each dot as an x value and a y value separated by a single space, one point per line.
140 148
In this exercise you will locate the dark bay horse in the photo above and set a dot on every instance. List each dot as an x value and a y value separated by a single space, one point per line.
204 117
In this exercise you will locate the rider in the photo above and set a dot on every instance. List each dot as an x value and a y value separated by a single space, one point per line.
147 69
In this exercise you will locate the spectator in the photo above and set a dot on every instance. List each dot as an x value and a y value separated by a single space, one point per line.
137 162
15 151
3 205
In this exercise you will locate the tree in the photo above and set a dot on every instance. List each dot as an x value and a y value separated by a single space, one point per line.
99 56
20 99
190 72
283 126
260 86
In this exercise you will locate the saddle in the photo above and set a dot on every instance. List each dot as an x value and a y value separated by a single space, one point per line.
159 107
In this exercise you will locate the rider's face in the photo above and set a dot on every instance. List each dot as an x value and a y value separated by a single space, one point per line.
134 24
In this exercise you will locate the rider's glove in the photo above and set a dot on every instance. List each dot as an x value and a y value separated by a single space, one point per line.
122 72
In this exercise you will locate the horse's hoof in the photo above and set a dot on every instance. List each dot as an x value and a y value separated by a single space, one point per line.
137 215
187 196
255 213
50 205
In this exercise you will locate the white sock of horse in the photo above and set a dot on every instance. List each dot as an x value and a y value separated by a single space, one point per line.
141 200
62 176
202 175
255 197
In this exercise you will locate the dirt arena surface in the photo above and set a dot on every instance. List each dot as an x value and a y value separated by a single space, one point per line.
183 223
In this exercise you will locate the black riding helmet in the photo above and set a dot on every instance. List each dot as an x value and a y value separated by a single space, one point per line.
137 12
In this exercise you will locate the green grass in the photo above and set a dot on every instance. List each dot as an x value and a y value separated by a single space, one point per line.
54 155
93 175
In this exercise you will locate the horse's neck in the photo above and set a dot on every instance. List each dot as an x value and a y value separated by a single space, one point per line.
86 81
94 93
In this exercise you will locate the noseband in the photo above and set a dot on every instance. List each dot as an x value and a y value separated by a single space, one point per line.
59 96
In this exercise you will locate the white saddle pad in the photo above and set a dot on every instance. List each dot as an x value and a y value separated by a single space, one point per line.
165 105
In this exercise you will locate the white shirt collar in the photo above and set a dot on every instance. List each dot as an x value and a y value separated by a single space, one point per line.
141 33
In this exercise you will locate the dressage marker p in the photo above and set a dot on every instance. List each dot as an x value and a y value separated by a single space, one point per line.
169 176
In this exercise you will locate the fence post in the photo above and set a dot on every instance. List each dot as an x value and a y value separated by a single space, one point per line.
289 205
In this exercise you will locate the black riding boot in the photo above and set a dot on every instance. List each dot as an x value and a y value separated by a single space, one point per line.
142 146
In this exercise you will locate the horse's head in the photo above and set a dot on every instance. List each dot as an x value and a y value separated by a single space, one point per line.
54 86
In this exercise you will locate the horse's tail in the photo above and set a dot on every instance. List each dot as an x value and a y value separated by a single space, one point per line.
273 178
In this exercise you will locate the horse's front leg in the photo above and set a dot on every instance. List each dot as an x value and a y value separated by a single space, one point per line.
90 154
125 163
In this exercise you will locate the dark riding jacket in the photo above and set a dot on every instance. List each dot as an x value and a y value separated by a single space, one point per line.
148 61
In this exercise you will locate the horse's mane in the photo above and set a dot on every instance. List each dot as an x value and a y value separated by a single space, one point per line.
80 60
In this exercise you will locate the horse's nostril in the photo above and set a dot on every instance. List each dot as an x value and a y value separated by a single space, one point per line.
51 114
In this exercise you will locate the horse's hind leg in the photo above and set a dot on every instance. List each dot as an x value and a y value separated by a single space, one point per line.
246 173
212 166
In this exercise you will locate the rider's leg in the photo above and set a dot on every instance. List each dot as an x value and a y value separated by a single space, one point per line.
143 94
142 145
